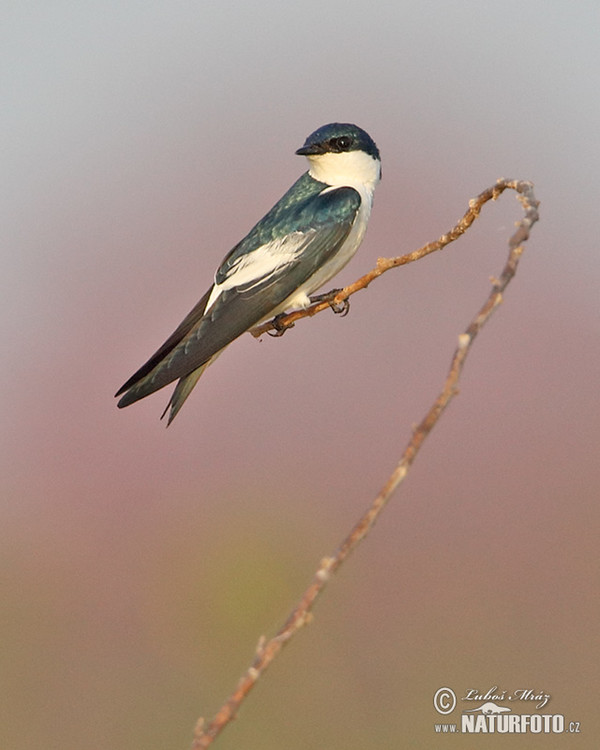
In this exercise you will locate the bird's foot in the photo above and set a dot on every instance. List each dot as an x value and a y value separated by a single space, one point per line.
279 328
339 308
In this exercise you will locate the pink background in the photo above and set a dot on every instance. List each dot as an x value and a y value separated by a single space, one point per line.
140 565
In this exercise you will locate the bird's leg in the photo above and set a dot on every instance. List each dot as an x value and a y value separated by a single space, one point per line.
339 308
279 327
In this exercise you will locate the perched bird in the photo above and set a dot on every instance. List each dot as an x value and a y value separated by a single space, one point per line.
305 239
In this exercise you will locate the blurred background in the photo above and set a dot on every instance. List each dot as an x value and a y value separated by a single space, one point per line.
141 141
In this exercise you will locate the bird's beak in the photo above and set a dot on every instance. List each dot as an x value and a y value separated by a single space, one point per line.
310 150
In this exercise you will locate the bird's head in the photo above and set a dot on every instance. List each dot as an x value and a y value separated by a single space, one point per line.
342 154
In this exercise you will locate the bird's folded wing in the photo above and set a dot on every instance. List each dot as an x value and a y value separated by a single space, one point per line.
249 285
186 325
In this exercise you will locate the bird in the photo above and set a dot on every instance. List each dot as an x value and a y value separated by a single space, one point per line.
308 236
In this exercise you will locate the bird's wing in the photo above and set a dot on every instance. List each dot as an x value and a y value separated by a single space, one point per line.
252 281
186 325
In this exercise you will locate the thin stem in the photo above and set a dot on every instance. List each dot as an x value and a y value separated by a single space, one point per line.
267 650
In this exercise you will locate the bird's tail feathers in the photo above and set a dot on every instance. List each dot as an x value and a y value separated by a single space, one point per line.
182 390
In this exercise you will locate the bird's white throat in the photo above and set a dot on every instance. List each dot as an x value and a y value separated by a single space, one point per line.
355 169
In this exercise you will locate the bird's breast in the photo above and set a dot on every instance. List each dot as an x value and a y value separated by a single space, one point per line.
348 249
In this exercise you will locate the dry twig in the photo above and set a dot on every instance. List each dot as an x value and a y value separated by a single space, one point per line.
267 649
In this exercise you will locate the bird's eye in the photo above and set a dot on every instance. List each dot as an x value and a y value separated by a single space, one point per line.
342 143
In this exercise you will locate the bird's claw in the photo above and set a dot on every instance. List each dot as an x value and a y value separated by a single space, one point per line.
339 308
279 328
